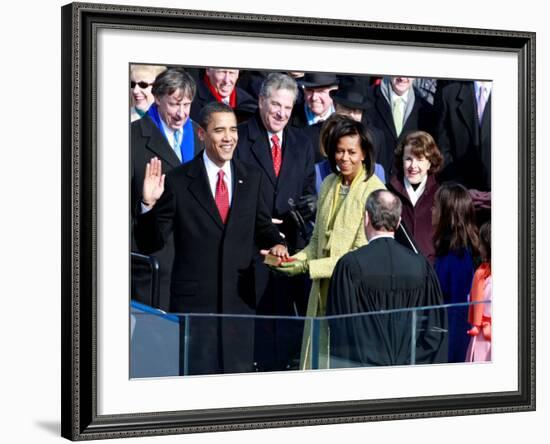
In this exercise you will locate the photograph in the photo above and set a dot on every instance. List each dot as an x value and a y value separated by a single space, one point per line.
203 299
278 221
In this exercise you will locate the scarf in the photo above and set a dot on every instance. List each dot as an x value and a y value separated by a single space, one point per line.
212 89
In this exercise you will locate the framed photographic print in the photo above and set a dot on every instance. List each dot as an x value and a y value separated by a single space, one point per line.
101 44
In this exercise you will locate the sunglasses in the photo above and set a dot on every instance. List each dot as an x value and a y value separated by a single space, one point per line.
141 84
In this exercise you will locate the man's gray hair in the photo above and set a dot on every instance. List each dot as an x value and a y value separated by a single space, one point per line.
276 81
384 210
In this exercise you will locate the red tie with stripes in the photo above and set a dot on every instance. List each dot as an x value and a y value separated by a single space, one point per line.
276 153
222 197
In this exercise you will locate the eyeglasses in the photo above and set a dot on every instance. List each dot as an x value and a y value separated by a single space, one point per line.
141 84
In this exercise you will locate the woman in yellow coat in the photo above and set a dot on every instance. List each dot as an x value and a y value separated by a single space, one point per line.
339 222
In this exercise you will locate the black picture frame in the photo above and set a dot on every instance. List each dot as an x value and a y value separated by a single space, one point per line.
80 420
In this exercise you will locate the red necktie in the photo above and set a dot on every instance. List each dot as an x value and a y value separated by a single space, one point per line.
222 197
276 153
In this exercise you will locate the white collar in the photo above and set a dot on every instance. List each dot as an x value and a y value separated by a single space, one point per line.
212 169
487 85
380 236
167 130
394 96
414 195
278 134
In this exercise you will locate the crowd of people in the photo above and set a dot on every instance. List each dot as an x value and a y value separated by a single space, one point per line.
372 194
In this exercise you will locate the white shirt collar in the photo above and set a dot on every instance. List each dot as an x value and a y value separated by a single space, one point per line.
211 167
404 97
488 87
279 135
312 119
379 236
168 131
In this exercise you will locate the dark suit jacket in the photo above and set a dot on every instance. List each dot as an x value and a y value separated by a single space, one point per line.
275 294
464 143
298 120
296 177
380 116
147 141
212 271
245 108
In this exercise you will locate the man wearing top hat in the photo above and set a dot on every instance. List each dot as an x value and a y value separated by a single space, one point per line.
318 106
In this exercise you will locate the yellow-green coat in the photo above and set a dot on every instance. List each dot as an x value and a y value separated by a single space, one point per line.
323 251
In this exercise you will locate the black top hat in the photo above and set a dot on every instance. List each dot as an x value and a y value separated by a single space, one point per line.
351 94
318 80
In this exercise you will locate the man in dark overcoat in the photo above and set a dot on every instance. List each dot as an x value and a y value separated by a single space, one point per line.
463 134
285 158
215 209
165 132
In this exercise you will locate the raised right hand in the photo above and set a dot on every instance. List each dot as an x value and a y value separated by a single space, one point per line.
153 183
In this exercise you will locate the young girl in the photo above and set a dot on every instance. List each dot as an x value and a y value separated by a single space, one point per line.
480 314
456 242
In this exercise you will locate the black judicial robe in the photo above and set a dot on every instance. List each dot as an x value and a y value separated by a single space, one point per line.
384 275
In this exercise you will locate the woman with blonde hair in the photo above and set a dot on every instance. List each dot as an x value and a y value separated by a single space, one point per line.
142 78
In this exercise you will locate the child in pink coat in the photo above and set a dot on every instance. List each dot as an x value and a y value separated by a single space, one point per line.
479 316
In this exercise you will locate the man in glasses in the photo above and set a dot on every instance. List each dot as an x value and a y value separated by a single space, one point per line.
165 132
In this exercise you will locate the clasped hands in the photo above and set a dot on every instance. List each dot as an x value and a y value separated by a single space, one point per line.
288 267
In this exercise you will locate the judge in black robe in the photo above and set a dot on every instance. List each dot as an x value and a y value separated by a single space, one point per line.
385 276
